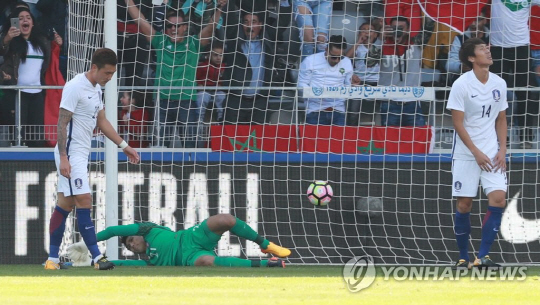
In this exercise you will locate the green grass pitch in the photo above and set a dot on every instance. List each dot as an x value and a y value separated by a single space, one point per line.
30 284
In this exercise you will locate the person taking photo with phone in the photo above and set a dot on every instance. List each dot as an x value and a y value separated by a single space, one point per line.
27 53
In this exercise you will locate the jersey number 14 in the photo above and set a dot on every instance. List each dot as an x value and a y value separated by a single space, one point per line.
486 112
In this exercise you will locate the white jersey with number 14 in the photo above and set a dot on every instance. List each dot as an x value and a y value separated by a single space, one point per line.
481 104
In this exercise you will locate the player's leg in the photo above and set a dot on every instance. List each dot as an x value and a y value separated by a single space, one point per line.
57 226
462 230
57 223
495 185
212 260
221 223
81 193
465 178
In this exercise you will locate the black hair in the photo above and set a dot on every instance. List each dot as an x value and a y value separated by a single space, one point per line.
365 23
104 57
259 15
18 45
124 240
175 13
139 97
401 19
467 49
216 44
337 41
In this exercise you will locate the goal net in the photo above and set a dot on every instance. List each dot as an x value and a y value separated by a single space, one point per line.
241 143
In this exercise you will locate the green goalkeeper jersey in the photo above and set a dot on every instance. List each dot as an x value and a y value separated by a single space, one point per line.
164 247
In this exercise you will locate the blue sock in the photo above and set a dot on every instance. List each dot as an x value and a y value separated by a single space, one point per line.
490 228
462 228
57 225
87 230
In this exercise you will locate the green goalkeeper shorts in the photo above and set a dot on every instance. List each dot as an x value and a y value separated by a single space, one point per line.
197 241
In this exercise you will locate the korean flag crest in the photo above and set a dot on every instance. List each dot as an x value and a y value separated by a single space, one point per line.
496 95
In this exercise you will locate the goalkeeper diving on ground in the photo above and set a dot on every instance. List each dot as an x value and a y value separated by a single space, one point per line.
190 247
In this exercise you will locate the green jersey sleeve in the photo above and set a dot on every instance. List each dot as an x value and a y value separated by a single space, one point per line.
125 230
130 263
138 229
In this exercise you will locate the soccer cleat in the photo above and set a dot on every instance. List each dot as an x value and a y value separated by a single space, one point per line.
462 265
276 262
50 265
276 250
103 264
486 262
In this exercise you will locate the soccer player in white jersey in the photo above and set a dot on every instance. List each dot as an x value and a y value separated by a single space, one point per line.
478 104
81 110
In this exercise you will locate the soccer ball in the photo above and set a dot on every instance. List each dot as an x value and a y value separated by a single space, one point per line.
320 193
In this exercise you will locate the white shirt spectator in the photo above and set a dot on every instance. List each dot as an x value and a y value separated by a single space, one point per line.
510 22
315 71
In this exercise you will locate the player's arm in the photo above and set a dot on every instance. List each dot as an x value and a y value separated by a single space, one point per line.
109 132
499 162
208 31
64 117
139 263
123 230
144 26
483 161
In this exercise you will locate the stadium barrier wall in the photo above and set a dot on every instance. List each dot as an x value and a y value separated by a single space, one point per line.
412 225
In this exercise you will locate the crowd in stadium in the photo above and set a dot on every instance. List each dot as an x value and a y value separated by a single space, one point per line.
252 45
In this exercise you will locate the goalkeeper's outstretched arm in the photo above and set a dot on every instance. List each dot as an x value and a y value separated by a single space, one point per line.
125 230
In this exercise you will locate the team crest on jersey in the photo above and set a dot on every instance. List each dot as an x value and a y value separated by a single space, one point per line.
341 70
78 183
317 91
457 186
496 95
418 91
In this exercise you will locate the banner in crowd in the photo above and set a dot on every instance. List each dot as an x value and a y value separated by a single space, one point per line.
323 139
370 92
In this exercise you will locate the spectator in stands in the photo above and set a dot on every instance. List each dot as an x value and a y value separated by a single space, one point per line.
510 50
134 118
177 58
535 41
400 66
477 29
209 74
133 49
330 68
436 48
366 55
249 61
200 13
313 18
26 52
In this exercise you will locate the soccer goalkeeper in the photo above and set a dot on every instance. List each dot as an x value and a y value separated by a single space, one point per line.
191 247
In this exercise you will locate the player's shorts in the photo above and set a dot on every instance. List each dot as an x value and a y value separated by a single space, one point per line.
197 241
78 184
465 177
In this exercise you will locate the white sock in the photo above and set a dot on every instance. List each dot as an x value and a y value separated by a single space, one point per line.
54 259
98 258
